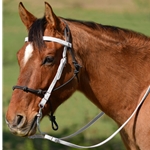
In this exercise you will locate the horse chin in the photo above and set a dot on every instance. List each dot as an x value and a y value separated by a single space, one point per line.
22 133
28 130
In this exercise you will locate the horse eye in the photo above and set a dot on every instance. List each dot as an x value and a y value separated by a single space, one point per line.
48 60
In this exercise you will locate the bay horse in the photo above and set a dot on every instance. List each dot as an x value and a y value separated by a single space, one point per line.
110 65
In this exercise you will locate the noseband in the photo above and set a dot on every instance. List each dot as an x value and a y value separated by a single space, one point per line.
46 94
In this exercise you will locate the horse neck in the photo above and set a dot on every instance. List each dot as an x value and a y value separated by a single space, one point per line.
101 78
86 45
86 52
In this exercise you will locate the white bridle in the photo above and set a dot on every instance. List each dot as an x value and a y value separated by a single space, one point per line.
48 94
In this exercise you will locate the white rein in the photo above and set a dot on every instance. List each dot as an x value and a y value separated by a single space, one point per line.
61 141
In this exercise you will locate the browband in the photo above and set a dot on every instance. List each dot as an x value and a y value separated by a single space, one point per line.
53 39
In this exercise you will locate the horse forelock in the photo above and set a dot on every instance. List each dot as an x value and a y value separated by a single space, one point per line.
36 32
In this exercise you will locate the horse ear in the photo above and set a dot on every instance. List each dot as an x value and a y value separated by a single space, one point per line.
26 17
51 18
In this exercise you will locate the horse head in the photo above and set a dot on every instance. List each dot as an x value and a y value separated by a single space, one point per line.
39 60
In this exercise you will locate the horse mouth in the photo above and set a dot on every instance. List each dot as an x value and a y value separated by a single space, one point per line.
33 127
28 130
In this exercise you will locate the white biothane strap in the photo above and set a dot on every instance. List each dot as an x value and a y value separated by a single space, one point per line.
84 127
77 132
60 141
60 68
53 39
56 78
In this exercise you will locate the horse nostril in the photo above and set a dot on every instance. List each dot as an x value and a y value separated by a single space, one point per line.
19 121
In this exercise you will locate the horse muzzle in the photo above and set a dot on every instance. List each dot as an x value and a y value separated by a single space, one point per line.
21 127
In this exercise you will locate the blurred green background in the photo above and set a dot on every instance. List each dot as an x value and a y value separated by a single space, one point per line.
77 111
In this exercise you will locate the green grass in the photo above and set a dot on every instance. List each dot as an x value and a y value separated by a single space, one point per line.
78 110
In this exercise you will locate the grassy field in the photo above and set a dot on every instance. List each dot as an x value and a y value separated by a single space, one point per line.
77 111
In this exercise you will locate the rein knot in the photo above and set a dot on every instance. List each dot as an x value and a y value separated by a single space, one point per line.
39 91
53 121
25 88
77 69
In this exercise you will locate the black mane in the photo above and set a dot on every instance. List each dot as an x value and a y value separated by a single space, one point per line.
110 29
89 24
93 25
37 29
